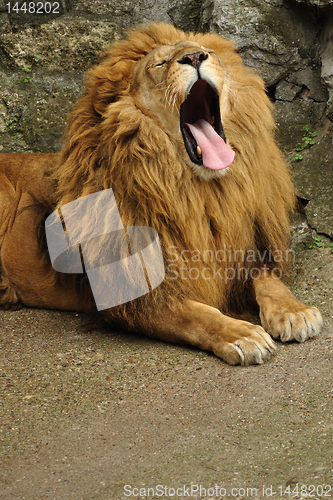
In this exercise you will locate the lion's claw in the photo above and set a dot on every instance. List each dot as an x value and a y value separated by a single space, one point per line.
252 346
296 322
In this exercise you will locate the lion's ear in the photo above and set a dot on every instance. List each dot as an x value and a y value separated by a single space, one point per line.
104 95
108 81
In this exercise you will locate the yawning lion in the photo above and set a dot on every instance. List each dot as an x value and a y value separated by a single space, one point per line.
183 134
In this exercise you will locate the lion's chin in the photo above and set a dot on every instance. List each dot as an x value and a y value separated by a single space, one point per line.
206 174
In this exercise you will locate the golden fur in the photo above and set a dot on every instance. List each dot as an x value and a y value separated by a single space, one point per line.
124 134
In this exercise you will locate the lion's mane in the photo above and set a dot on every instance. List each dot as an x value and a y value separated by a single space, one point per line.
112 142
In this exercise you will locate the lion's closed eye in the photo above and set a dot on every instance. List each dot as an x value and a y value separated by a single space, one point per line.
158 63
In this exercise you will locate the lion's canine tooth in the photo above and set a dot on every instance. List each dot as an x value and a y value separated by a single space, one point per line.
199 150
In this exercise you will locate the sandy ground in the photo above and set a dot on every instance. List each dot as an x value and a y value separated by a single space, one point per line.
93 414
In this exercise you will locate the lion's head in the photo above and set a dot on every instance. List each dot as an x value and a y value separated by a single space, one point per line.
183 133
193 88
186 87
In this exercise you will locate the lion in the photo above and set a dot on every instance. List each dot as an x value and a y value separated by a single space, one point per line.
183 134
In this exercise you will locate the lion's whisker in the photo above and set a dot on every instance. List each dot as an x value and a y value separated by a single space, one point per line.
168 95
161 83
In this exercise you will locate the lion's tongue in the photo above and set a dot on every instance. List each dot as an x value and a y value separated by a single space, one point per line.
216 155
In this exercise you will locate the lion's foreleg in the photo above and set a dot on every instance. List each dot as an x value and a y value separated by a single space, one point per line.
281 314
190 322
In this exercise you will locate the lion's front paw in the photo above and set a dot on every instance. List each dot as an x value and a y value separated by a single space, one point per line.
248 345
291 321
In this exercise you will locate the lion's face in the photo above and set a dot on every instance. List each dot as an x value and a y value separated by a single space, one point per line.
186 88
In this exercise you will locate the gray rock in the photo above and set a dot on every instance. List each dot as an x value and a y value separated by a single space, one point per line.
128 13
316 3
62 44
313 179
327 62
185 14
309 79
319 212
39 125
287 91
291 117
274 37
300 99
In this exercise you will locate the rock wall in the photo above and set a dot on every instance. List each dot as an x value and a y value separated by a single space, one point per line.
290 43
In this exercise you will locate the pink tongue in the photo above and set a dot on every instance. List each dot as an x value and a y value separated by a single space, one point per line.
216 155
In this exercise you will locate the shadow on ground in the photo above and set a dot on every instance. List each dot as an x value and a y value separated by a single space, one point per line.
85 412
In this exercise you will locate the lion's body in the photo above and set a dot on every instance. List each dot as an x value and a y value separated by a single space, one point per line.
26 190
217 231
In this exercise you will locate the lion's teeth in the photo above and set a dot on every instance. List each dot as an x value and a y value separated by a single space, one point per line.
199 150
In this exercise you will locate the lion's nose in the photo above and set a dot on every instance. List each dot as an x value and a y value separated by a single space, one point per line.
195 59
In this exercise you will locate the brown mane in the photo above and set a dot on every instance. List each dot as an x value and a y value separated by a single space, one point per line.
112 142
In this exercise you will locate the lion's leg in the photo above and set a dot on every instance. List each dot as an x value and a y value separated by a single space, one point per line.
26 275
8 295
281 314
235 341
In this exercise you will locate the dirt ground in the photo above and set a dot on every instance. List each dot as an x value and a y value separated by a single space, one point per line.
88 413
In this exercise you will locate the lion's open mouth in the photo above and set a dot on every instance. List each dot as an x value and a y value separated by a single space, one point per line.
202 130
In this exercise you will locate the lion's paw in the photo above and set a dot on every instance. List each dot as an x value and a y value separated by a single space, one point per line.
8 296
292 321
250 345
